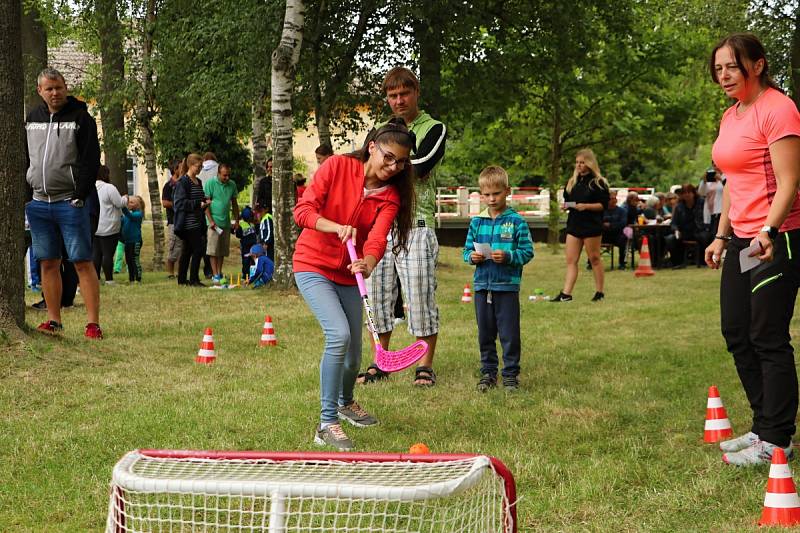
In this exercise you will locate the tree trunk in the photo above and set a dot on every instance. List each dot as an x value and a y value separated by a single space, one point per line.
111 100
428 35
554 179
144 120
323 126
34 50
284 61
795 59
259 137
12 170
325 100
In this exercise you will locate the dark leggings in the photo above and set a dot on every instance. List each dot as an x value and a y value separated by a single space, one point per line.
193 249
103 249
133 251
757 309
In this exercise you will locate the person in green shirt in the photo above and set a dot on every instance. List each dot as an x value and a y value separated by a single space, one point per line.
415 267
222 193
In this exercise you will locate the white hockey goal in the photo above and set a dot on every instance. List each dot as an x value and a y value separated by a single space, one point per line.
183 491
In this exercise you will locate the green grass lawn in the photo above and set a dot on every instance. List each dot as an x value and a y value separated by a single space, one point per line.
606 433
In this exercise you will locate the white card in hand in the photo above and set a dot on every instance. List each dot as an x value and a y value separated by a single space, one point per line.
570 204
483 248
745 261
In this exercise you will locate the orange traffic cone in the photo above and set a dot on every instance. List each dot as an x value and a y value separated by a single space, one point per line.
781 504
718 427
268 333
206 354
644 268
467 297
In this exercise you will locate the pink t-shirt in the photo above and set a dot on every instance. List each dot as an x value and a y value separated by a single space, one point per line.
742 153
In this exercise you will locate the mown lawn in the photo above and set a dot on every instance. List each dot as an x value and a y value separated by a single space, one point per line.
604 435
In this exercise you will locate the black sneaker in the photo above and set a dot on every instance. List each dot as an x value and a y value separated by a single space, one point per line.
41 306
487 382
598 296
562 298
511 383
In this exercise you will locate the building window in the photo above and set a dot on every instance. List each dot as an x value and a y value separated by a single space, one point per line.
131 175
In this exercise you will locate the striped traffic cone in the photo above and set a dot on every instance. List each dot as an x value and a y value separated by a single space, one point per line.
644 268
718 427
467 296
268 333
781 504
206 354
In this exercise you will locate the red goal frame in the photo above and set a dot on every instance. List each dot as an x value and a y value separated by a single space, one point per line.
499 467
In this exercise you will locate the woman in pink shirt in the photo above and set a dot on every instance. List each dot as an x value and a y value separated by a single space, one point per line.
758 150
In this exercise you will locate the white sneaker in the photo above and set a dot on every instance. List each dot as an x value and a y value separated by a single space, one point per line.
739 443
759 453
109 282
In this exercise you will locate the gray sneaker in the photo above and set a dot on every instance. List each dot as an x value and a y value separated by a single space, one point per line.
759 453
356 415
739 443
334 436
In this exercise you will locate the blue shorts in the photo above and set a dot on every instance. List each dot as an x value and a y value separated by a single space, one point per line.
57 222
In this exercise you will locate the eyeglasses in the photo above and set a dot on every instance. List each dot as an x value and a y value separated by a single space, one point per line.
390 159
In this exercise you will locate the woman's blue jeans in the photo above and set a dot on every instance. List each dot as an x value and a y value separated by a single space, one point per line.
338 311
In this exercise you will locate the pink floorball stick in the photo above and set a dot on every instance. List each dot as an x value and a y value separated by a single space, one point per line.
384 359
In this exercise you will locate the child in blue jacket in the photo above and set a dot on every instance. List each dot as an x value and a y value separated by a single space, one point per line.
262 270
505 239
131 236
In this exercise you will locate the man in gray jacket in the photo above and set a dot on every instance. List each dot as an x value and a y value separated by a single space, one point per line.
63 158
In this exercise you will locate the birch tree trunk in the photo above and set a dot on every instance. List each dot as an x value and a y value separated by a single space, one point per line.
260 145
12 171
284 61
144 121
112 75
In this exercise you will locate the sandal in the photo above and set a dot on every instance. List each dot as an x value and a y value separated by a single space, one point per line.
424 376
372 377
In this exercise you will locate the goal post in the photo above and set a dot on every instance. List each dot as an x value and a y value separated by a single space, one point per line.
282 492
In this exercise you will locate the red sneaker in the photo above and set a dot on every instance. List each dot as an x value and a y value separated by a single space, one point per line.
51 327
93 331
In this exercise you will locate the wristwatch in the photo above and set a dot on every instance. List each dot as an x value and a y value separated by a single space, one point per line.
771 231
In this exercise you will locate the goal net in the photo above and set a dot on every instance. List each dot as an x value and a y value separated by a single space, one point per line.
192 491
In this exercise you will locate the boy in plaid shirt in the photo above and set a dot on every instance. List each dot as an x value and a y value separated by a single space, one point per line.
505 240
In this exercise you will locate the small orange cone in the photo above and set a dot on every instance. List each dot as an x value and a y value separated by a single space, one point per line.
206 354
467 297
781 504
268 333
644 268
718 427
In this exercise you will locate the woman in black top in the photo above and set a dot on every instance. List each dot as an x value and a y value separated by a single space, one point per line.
189 203
586 197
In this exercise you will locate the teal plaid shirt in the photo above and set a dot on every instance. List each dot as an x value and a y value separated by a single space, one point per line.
508 232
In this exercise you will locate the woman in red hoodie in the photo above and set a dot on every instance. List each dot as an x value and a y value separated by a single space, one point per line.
356 196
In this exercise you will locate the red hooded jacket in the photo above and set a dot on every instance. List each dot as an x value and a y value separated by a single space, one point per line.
337 194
